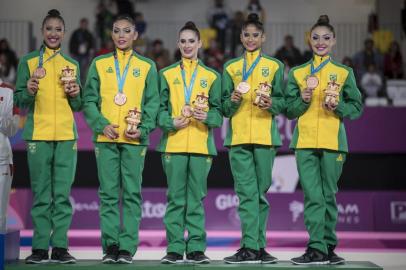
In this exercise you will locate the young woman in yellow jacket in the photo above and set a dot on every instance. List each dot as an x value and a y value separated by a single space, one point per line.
320 94
190 108
48 86
252 96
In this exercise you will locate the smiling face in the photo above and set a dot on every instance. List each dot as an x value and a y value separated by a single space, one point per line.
123 34
322 40
189 44
53 32
252 38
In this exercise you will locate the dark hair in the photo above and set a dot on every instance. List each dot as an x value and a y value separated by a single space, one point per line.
192 27
253 19
324 21
53 14
125 17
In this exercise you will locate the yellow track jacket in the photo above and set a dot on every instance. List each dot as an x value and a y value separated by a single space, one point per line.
248 123
198 136
317 127
50 116
140 88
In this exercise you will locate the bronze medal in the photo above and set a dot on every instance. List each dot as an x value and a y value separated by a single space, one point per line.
312 82
187 111
120 99
40 72
243 87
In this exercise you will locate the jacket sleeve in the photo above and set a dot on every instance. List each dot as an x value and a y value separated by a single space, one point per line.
350 104
278 99
150 103
92 100
295 106
8 121
22 98
165 121
214 117
228 107
76 102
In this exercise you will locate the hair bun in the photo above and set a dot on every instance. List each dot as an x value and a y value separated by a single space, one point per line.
190 24
54 13
253 17
323 19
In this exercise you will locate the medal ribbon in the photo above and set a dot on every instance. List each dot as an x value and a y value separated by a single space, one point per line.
245 73
121 79
188 89
41 56
319 67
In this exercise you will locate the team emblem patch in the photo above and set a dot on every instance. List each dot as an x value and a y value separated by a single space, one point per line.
136 72
109 70
265 71
32 147
203 83
176 81
333 77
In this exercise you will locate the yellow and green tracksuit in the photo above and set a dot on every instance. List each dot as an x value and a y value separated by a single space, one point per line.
320 143
187 153
252 137
51 135
120 162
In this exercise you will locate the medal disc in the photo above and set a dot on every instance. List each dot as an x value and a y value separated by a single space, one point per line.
187 111
120 99
40 72
243 87
312 82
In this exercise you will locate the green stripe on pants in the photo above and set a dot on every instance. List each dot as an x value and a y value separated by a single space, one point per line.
319 172
52 166
120 169
251 166
187 187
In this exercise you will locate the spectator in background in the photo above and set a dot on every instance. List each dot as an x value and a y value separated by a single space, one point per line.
7 70
11 55
104 21
289 53
213 57
369 55
140 24
236 25
159 54
393 62
371 82
81 46
254 6
107 47
218 18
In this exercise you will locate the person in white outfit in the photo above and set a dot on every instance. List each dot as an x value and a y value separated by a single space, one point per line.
8 127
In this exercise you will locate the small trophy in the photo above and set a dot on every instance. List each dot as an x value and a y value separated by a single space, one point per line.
331 94
68 75
201 102
264 89
133 119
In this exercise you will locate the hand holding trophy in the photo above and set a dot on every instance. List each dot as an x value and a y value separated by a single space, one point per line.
68 79
133 119
331 96
263 92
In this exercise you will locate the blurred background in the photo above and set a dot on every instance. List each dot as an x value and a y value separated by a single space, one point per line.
370 39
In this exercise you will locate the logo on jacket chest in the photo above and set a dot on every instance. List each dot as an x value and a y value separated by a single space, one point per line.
109 70
176 81
136 72
265 71
203 83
